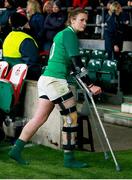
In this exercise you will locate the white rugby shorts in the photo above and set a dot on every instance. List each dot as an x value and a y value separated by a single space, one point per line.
52 87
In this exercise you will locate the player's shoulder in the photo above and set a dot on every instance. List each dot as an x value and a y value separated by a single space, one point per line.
68 32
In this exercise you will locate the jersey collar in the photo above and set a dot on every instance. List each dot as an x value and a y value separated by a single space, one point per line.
71 28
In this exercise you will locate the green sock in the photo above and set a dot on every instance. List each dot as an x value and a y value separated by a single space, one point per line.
70 162
15 152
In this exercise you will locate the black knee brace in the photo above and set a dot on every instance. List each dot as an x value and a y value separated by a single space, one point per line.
69 130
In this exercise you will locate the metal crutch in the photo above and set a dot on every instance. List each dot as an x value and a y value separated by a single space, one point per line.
106 156
78 79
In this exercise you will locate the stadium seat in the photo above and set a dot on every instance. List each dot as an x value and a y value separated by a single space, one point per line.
130 54
3 68
81 51
85 55
94 65
108 73
126 72
10 87
126 61
98 54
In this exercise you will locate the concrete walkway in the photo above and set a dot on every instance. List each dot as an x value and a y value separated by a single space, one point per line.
120 138
118 129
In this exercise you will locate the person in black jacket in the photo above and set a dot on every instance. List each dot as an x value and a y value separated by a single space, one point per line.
54 23
36 20
114 30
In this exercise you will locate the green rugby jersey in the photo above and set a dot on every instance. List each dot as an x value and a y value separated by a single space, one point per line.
65 45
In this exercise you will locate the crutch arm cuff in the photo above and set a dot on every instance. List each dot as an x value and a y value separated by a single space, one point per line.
79 69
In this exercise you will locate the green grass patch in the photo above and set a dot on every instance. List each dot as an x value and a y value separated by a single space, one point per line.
47 163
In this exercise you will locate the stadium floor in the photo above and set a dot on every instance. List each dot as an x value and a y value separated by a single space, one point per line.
120 138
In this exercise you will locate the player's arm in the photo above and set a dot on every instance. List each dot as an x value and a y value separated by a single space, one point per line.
79 69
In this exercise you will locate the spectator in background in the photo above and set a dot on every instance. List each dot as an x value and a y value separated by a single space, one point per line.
54 22
36 20
47 8
107 5
19 47
114 30
4 18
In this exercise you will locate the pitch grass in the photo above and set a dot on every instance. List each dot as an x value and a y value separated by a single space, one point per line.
47 163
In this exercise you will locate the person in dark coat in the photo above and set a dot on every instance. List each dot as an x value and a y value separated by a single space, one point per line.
36 20
54 23
114 30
